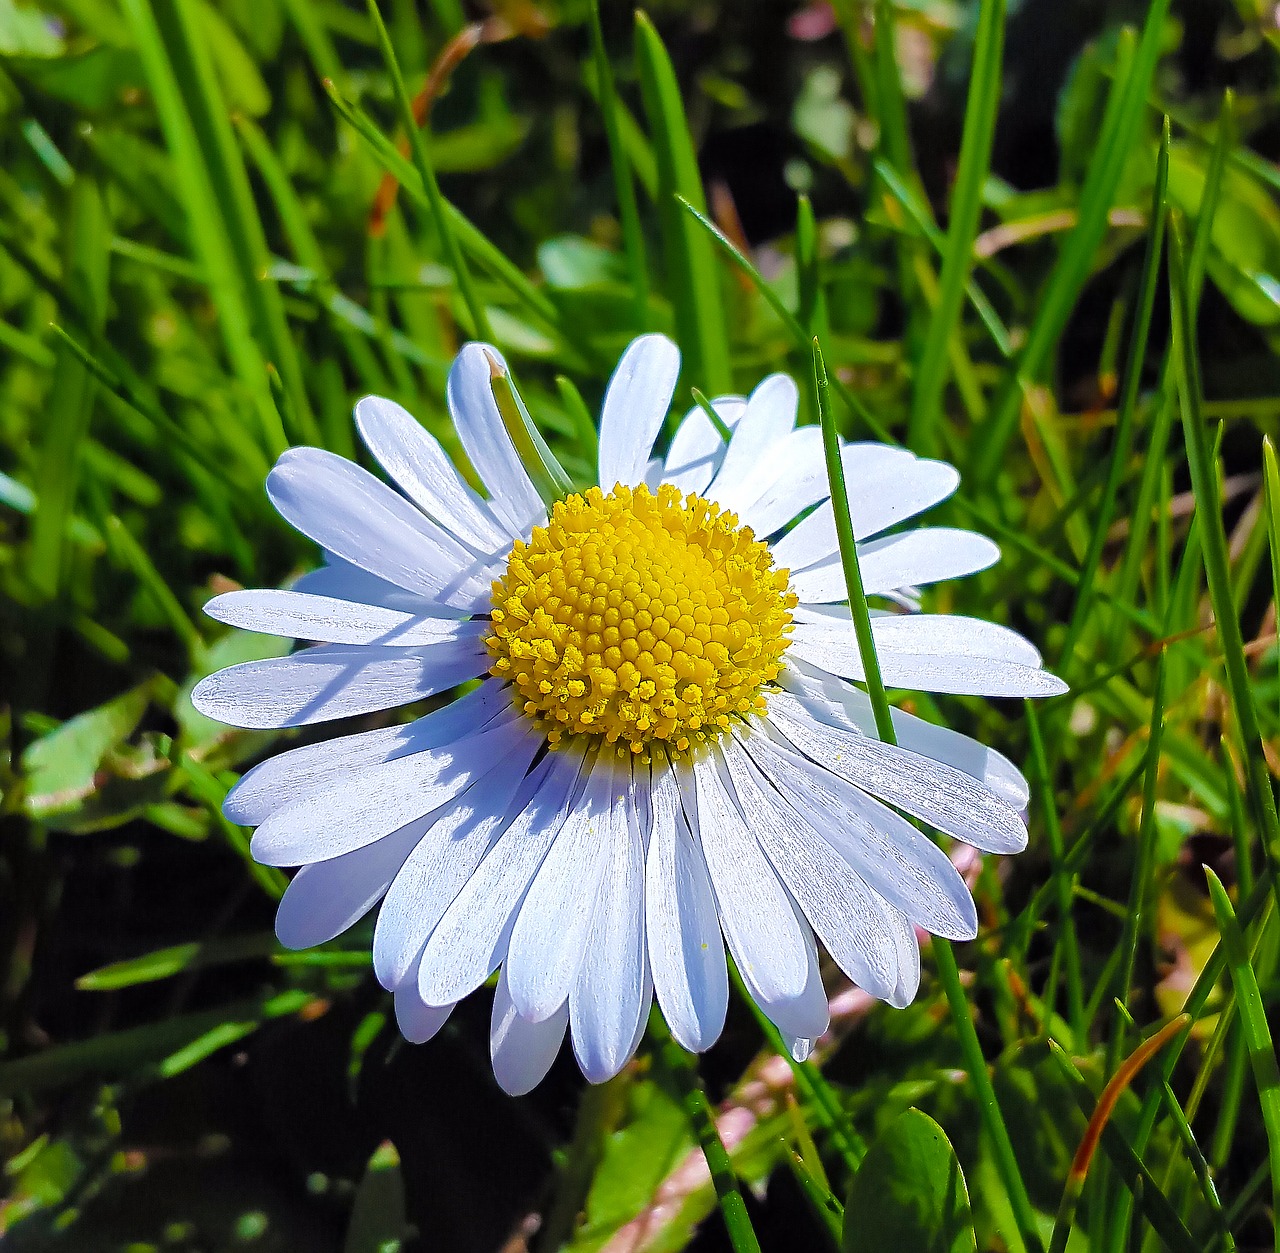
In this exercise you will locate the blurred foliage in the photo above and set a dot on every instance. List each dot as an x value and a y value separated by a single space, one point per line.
204 257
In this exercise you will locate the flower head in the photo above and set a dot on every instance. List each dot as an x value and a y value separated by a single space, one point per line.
665 753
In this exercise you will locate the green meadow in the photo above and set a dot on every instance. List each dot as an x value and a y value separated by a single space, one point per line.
1038 240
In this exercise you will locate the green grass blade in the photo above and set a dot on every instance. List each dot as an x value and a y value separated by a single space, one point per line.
1126 410
692 273
1067 943
1257 1034
71 398
1271 502
479 328
208 235
1217 562
623 187
1124 114
684 1075
966 212
186 44
944 958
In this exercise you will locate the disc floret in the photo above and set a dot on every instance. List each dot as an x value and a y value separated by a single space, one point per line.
640 616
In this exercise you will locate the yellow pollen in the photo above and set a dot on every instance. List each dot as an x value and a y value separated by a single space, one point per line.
640 616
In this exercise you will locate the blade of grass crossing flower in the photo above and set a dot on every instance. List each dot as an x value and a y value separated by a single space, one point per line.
948 972
547 474
623 187
966 212
683 1071
1124 114
1123 439
1066 935
426 172
188 50
206 223
690 264
1257 1034
700 399
1216 555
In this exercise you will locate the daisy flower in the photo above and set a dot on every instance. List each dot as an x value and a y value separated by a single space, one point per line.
660 750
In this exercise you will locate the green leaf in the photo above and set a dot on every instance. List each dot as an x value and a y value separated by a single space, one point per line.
378 1215
1244 240
909 1194
61 767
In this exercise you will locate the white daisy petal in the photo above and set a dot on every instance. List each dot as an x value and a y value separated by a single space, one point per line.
770 416
846 914
686 951
760 927
794 459
931 653
905 867
416 462
904 936
886 486
487 444
800 480
913 559
653 474
945 798
522 1050
551 929
289 776
336 681
342 581
418 1023
807 1015
327 897
472 937
697 448
441 862
635 404
413 458
299 616
349 512
607 1001
379 800
847 708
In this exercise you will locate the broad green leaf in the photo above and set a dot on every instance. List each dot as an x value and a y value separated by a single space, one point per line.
1244 251
909 1194
61 767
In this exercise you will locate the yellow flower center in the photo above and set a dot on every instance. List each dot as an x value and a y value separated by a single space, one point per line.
640 616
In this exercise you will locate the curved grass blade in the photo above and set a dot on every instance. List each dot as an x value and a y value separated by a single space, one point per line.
966 211
690 264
